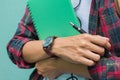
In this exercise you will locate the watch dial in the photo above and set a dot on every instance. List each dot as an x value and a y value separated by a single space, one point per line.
47 41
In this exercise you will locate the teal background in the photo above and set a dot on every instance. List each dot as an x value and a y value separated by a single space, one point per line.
11 12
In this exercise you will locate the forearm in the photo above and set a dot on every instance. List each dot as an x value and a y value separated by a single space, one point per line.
78 69
33 51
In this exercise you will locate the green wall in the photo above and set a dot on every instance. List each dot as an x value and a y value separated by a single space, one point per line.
11 12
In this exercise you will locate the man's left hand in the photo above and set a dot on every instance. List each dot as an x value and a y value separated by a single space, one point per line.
49 68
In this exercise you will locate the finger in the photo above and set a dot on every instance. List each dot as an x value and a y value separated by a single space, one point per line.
86 61
89 54
92 56
95 48
99 40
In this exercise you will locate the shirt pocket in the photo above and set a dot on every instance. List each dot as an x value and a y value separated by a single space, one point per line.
108 15
110 26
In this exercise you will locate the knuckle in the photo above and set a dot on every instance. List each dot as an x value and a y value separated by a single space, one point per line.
86 36
101 51
97 35
97 58
104 41
83 43
76 59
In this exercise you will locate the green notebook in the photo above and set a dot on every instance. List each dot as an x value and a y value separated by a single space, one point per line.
52 17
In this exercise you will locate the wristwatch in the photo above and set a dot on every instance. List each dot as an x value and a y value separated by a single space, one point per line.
47 44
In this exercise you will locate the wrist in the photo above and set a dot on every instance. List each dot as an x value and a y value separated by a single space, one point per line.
47 45
56 47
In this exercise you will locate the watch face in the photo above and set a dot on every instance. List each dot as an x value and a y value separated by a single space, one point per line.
47 42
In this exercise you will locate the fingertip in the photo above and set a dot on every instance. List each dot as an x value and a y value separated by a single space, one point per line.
108 46
91 64
106 38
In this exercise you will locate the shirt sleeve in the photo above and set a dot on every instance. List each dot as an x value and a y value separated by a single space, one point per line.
24 33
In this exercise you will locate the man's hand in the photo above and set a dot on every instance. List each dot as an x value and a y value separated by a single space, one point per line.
84 48
50 68
53 68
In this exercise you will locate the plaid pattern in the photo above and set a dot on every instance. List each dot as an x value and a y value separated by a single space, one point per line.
25 32
104 21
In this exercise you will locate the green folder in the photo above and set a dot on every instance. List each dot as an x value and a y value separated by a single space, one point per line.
52 17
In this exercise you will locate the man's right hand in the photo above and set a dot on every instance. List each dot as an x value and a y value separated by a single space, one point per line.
81 49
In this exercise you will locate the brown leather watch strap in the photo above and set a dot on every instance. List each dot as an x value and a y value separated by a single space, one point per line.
48 49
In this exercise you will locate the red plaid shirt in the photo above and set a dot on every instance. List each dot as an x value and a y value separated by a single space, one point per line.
104 21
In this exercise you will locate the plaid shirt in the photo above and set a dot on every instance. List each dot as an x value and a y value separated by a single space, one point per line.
104 21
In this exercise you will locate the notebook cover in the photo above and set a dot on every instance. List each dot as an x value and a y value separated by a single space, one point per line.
52 17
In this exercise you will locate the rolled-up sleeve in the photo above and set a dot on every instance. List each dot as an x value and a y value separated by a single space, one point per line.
24 33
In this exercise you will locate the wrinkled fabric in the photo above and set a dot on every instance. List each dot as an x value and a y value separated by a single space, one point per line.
104 21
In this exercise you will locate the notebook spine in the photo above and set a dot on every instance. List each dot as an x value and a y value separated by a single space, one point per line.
34 22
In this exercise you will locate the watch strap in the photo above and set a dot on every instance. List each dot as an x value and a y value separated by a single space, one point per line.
48 49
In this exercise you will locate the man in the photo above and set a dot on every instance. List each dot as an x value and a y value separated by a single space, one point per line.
25 49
